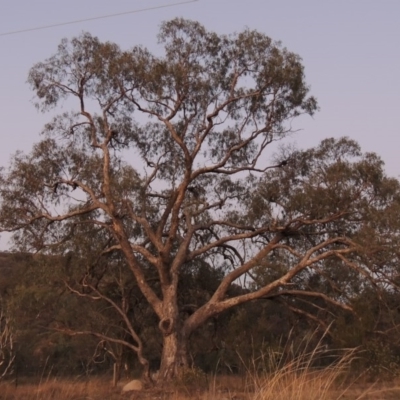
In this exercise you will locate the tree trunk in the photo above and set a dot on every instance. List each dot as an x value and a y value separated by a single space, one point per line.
174 356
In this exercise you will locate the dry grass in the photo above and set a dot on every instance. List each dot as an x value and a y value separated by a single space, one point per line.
288 375
294 375
60 389
286 384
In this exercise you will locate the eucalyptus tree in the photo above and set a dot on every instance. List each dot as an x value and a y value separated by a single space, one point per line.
161 160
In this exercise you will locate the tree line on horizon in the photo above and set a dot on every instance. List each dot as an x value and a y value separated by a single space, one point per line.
36 304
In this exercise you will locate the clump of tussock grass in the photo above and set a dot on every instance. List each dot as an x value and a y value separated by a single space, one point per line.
298 373
298 380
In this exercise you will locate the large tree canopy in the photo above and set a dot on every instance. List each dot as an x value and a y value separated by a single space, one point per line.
160 167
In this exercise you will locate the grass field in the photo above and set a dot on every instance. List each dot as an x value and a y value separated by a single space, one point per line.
228 388
294 376
285 385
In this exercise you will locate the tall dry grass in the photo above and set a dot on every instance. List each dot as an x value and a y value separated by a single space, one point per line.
309 371
299 379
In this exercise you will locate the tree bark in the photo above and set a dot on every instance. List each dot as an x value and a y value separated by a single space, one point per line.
174 357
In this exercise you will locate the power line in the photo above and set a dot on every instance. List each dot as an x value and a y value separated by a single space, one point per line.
95 18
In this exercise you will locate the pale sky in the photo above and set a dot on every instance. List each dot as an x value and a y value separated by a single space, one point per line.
350 50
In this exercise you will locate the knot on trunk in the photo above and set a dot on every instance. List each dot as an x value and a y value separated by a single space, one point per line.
166 326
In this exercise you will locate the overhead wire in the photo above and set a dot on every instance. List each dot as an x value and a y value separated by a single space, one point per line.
96 18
